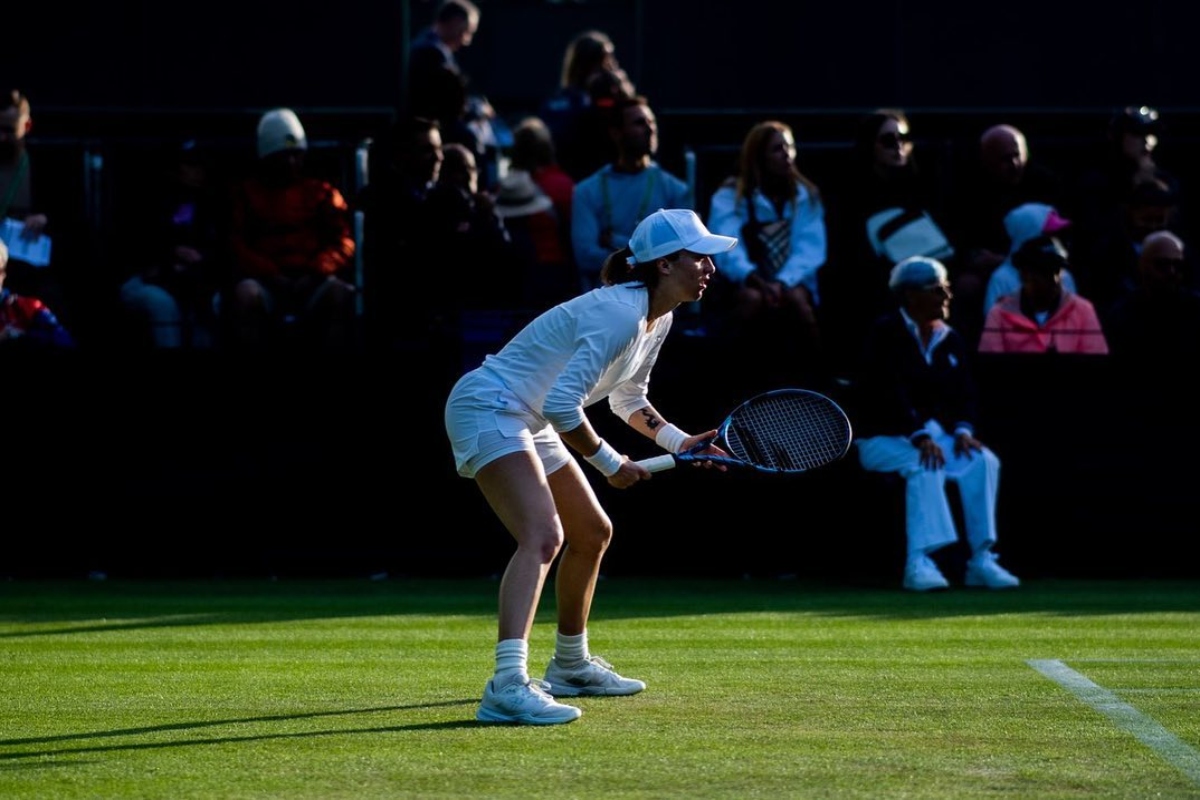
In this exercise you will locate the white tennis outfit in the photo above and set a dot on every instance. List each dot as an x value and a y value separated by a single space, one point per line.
592 347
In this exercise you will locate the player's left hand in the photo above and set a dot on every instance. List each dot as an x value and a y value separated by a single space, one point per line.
711 449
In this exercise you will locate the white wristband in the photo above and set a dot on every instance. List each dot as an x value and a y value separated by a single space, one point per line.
606 459
670 439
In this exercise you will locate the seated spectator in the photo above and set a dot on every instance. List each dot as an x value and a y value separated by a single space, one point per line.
1025 222
292 245
1042 316
25 204
470 235
585 145
914 406
1113 268
27 322
609 203
1000 176
535 151
882 178
169 300
1128 158
406 160
1156 320
547 274
778 217
587 54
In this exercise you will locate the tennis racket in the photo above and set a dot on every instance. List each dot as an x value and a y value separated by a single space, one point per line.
781 431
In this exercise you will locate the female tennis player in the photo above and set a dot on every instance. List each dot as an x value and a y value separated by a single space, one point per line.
511 421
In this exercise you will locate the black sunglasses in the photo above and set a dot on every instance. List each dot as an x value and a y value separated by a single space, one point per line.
894 139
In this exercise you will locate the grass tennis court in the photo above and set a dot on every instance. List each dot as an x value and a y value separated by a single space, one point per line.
757 688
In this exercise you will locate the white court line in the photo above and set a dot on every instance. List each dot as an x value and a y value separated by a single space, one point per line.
1166 744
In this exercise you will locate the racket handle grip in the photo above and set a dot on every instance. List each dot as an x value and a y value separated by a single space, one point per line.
658 463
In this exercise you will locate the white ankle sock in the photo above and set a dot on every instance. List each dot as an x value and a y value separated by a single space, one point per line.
512 662
570 650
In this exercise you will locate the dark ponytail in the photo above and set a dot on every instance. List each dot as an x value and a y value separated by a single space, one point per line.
617 269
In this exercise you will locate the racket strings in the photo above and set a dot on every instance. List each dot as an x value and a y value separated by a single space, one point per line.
791 431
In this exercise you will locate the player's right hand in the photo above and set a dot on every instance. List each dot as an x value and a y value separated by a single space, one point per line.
630 473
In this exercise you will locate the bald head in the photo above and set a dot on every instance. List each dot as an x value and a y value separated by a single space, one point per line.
1163 242
1004 153
1160 264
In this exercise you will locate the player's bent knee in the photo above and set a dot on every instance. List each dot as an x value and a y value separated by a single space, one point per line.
594 537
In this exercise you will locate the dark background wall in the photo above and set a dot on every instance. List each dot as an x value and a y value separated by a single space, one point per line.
685 54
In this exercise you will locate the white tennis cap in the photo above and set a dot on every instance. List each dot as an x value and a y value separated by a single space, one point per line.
916 272
670 230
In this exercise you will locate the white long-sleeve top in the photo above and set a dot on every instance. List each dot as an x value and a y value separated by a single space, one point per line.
727 214
577 353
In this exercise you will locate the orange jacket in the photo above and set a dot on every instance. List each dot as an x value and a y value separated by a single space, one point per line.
302 228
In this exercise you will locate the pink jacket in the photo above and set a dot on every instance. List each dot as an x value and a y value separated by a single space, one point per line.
1072 328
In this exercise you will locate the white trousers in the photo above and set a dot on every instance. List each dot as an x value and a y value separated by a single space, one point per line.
929 522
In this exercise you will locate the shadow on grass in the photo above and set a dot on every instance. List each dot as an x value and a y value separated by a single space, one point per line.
192 726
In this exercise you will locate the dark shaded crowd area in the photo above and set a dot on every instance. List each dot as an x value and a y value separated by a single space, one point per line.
133 462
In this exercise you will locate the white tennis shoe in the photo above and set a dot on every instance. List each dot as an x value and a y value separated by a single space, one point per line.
983 570
922 575
524 704
592 677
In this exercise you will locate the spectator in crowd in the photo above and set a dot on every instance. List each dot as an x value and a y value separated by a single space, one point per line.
440 89
24 211
587 55
999 177
169 299
1105 189
1025 222
546 274
515 421
534 151
1151 206
1156 319
585 144
609 203
292 246
882 179
405 164
914 407
433 55
26 322
777 214
1042 316
469 234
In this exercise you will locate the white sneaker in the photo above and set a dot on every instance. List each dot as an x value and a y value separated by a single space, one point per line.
922 575
595 676
524 704
983 570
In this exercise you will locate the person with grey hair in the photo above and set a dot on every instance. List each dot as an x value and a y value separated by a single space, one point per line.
913 405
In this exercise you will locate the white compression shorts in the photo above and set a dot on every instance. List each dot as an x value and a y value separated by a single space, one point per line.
485 421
